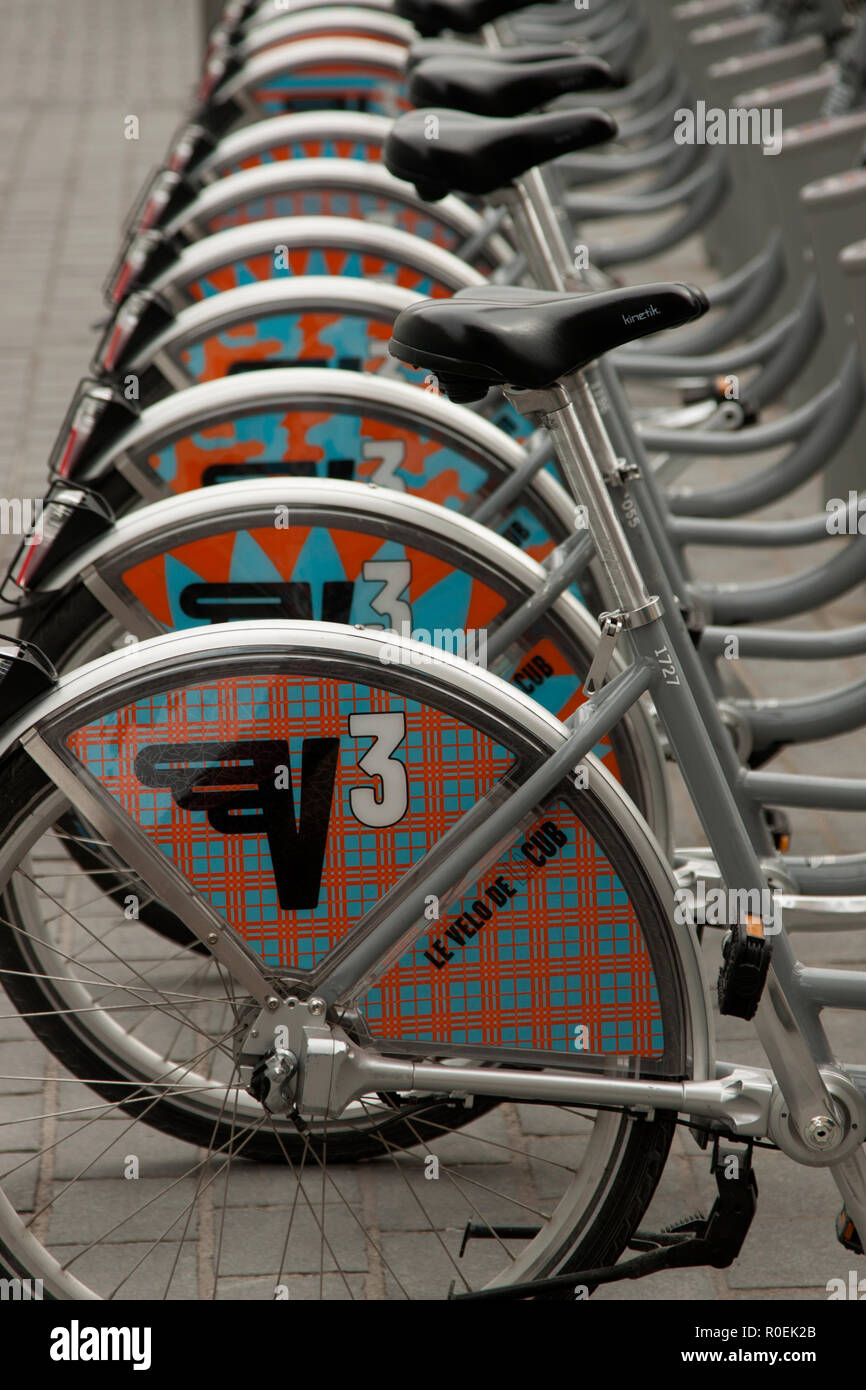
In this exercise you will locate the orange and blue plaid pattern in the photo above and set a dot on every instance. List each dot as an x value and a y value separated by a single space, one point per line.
552 954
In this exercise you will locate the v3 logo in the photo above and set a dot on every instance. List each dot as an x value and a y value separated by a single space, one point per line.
235 600
244 787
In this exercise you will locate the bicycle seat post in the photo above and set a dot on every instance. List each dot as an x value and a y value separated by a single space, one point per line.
557 408
537 232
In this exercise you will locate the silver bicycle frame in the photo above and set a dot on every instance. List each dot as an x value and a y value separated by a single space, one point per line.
747 1099
605 414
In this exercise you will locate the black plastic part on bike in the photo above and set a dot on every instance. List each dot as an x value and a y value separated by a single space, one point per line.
714 1240
430 17
442 151
152 316
531 340
200 143
779 826
160 251
420 50
25 674
487 88
87 518
744 972
846 1233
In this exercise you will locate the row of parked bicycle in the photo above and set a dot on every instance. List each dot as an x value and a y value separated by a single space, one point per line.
357 631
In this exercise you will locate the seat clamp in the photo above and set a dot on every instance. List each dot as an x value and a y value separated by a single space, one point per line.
646 613
536 404
621 473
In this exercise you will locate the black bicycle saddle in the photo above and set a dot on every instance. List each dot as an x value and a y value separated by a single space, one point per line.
445 152
503 89
430 17
422 49
530 339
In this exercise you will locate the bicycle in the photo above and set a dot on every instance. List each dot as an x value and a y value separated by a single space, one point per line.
813 1111
548 843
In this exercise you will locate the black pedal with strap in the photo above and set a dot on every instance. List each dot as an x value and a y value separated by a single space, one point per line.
747 953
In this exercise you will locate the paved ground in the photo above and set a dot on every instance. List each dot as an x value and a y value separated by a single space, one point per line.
69 75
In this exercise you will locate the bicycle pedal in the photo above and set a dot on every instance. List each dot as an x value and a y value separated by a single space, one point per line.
846 1233
478 1230
742 977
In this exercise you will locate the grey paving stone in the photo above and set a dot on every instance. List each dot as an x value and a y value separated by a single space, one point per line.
407 1201
19 1175
273 1184
830 948
553 1161
134 1271
674 1286
20 1123
12 1026
22 1065
798 1253
421 1266
102 1146
252 1242
67 181
337 1288
114 1212
486 1140
847 1033
551 1119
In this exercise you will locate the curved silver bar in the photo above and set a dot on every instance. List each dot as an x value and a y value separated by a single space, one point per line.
322 293
266 13
832 425
801 592
754 440
304 176
274 131
355 53
787 644
331 19
340 233
689 530
280 389
345 234
251 502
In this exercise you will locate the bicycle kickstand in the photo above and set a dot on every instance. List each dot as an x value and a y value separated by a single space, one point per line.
715 1240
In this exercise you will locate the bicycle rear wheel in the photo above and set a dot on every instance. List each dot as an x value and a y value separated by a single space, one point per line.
597 905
